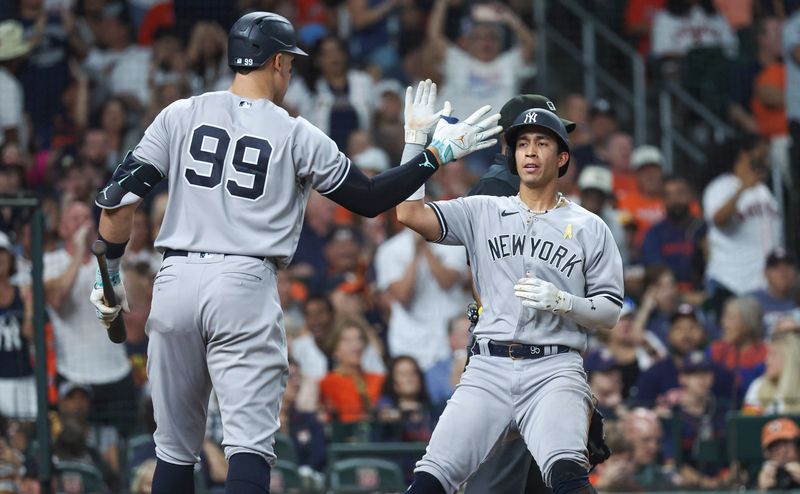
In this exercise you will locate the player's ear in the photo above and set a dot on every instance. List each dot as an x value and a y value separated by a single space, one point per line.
563 157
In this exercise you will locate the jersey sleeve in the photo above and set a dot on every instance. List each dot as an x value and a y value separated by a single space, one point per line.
604 267
155 144
455 221
317 158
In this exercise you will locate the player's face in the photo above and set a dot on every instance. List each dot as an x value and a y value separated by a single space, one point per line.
537 157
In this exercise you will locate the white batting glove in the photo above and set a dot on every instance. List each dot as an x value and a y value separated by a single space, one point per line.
419 114
104 312
453 140
543 295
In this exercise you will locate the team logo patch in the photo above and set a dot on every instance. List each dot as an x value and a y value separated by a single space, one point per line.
530 117
568 231
245 104
551 106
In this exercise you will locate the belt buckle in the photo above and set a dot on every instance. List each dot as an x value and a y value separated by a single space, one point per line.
510 352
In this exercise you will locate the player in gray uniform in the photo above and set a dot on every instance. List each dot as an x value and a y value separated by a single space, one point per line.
240 170
526 373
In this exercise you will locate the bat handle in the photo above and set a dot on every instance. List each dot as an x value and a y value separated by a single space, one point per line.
116 331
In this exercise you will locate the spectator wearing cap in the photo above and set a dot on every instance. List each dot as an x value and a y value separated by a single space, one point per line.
677 240
596 195
777 390
658 384
646 202
425 282
17 382
780 443
605 382
387 126
779 299
744 224
74 402
602 125
700 416
741 349
13 49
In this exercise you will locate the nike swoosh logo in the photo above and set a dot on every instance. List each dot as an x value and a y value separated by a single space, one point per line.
506 213
164 267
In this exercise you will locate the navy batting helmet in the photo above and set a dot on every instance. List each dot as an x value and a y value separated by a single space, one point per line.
535 117
256 36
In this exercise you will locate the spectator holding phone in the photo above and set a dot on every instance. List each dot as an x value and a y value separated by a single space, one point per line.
780 441
744 222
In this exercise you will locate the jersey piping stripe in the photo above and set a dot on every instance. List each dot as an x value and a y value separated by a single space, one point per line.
341 180
609 295
442 222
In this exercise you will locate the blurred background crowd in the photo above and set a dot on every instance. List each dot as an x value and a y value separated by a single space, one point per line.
375 317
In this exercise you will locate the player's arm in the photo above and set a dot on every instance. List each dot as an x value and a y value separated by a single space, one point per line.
421 218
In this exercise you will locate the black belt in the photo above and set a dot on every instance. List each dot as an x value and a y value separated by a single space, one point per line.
519 350
185 253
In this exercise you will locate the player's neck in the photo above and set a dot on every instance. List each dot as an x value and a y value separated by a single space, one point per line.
540 198
252 87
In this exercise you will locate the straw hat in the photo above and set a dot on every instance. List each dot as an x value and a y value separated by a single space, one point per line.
12 43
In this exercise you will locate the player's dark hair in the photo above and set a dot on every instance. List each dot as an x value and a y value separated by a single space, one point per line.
389 390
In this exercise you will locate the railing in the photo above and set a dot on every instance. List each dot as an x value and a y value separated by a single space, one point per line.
585 54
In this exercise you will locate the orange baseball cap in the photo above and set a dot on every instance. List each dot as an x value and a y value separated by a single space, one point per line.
777 430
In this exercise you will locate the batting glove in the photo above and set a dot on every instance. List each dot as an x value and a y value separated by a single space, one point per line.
543 295
419 114
105 313
453 140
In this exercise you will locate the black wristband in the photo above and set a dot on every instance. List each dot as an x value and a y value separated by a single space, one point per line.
114 250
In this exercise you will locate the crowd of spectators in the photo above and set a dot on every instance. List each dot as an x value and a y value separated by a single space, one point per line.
375 317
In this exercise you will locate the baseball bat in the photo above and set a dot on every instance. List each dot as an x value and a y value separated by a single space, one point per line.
116 332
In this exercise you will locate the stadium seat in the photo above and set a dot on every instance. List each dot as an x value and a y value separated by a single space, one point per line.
365 475
284 478
284 448
73 476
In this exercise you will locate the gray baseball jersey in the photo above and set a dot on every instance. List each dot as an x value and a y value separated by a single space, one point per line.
547 401
240 172
569 247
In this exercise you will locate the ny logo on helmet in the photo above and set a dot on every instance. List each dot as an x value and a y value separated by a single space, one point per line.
531 117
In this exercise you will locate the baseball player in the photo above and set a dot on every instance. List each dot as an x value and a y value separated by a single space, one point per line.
526 373
511 468
240 170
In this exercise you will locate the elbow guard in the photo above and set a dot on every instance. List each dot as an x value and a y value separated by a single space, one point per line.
132 180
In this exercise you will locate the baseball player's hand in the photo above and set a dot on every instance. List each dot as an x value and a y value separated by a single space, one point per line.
105 313
453 140
542 295
420 116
